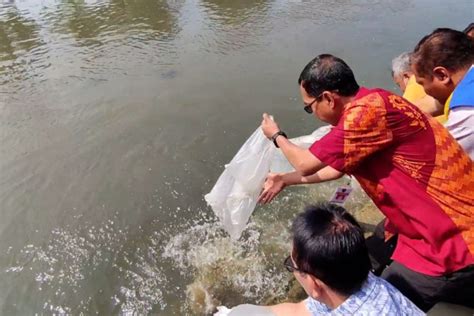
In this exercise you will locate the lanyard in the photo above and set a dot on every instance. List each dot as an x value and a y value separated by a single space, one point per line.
342 193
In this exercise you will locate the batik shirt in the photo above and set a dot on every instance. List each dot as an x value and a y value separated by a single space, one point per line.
376 297
416 174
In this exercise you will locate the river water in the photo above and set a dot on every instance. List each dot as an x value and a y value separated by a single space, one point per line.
117 116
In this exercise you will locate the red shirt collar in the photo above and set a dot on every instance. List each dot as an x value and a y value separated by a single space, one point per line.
363 91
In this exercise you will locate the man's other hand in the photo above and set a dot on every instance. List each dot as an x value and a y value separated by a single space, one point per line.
273 185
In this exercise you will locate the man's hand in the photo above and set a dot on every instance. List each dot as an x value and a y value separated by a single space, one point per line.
269 126
273 185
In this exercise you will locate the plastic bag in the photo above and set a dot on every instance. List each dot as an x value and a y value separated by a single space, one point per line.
234 196
279 161
222 311
244 310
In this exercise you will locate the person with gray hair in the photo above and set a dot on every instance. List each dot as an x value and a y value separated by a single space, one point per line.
404 77
401 70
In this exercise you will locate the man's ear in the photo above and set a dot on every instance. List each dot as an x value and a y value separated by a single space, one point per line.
407 75
442 75
317 287
330 98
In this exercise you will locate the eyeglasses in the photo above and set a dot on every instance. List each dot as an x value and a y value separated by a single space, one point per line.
308 108
288 263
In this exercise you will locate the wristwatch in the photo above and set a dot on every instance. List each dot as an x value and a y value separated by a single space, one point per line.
275 136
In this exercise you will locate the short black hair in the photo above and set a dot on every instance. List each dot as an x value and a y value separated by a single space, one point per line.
449 48
469 28
329 244
328 73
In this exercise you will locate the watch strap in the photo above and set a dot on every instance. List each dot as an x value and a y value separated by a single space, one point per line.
275 136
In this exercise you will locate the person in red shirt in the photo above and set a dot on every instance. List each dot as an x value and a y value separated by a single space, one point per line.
407 163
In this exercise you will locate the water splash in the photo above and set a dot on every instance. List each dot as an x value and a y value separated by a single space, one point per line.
250 270
145 281
66 269
226 271
180 269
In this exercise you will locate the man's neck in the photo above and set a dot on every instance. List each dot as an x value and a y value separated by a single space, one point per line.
342 103
332 299
347 100
458 76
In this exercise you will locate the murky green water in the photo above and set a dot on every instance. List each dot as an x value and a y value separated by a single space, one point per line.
117 116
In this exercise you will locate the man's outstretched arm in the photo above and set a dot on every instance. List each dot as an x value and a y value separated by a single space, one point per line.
276 182
300 158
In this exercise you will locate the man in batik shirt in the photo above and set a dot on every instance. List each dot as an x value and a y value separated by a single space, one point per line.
408 164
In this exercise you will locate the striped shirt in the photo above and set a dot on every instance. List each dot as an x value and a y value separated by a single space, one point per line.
376 297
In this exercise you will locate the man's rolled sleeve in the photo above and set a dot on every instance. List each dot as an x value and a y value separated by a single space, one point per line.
329 150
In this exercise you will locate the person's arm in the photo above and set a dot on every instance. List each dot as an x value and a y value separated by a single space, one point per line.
429 105
290 309
327 173
300 158
276 182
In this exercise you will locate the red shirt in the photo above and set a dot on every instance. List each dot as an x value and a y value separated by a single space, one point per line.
416 174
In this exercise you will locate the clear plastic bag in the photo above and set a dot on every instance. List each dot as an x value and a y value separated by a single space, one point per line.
234 196
244 310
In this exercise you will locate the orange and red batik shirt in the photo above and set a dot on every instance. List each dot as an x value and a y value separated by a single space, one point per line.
414 171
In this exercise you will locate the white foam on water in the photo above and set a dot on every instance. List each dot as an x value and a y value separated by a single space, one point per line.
226 271
250 270
214 270
68 264
144 283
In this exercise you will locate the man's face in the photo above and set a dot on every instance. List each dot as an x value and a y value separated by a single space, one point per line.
401 80
322 109
304 279
438 86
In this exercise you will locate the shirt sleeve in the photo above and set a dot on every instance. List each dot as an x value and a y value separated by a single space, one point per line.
361 132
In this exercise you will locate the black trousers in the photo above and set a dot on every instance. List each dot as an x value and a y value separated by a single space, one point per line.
423 290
